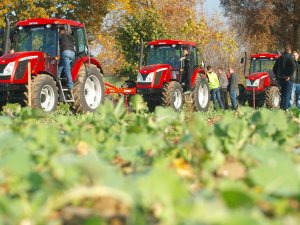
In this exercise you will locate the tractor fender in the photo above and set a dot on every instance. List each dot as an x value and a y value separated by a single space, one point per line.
84 61
197 72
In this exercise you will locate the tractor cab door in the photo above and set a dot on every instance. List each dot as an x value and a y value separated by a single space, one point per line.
193 59
81 46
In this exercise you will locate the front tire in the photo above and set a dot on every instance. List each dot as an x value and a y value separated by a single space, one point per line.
88 90
201 95
273 97
44 93
173 95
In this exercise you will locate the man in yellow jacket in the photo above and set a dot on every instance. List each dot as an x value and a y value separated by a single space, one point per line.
214 86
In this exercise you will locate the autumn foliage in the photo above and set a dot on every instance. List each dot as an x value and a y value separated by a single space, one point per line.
267 24
252 26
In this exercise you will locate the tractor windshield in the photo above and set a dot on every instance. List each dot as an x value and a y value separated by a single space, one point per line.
261 65
38 38
164 55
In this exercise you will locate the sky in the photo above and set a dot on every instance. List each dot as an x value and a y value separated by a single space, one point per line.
212 6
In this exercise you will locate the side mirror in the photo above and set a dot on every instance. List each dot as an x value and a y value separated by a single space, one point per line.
242 60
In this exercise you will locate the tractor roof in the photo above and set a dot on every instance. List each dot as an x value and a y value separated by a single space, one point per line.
171 42
44 21
265 56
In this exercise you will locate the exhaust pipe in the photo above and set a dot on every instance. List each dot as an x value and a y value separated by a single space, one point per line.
141 53
245 64
6 35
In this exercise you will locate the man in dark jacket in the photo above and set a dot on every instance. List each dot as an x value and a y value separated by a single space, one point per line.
233 88
187 74
283 69
296 82
67 49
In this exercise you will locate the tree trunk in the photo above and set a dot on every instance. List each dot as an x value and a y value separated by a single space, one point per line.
296 37
296 24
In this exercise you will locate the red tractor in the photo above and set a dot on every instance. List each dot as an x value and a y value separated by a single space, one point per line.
161 81
29 75
261 84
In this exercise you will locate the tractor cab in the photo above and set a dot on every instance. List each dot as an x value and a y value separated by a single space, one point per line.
163 81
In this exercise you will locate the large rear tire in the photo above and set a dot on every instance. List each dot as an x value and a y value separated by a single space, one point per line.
201 95
172 95
273 97
44 93
88 90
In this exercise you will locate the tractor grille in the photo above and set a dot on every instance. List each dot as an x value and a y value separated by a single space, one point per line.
2 67
21 70
145 76
157 78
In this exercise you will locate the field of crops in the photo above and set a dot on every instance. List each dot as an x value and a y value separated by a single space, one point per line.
164 168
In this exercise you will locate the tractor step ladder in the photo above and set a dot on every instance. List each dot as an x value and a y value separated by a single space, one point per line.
188 97
66 94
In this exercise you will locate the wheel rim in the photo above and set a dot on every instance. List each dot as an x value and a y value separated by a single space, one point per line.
177 99
92 92
203 96
47 98
276 100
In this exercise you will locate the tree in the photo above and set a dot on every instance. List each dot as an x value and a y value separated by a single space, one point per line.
91 12
268 24
145 24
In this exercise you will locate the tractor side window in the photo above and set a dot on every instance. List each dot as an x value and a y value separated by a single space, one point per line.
80 41
194 59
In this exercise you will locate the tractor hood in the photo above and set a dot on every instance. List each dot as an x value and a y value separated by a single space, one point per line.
21 56
13 67
259 75
154 68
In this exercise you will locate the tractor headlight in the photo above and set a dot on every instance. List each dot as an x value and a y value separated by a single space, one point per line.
8 70
150 77
139 78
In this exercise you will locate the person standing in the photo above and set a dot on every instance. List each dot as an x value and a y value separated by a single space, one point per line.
233 88
284 69
187 69
296 82
214 86
67 49
223 87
